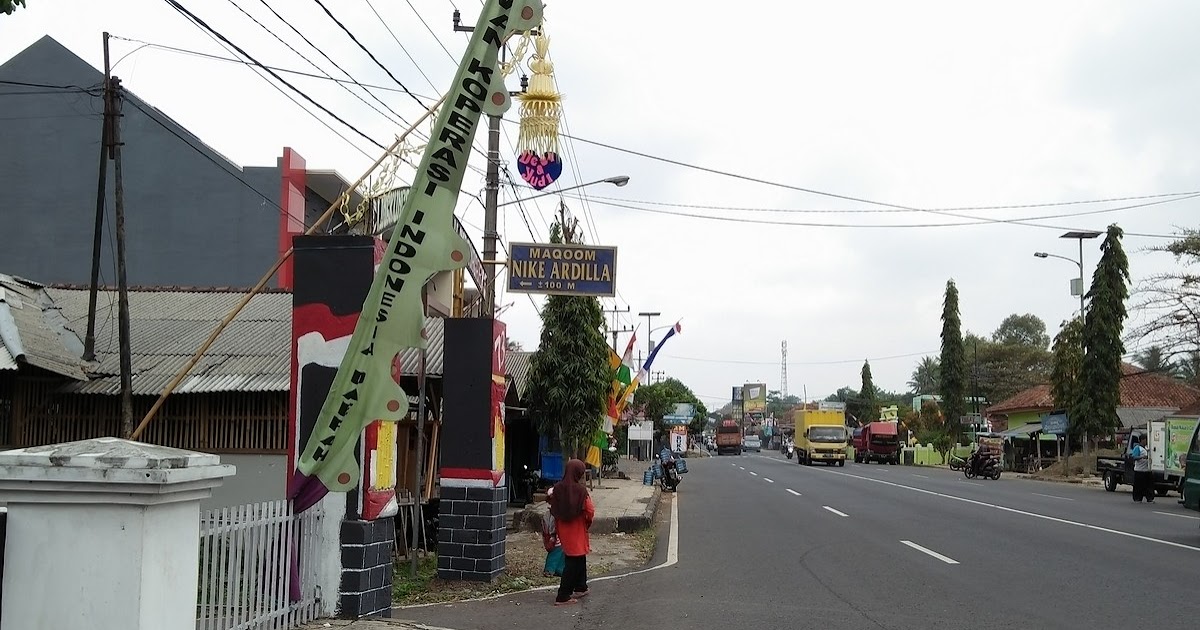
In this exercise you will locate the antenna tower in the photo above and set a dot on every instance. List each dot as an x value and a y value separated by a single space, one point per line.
783 370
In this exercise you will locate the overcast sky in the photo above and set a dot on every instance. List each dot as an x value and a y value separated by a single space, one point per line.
930 105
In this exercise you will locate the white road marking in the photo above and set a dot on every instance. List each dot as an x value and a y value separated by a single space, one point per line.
753 473
929 552
1194 518
921 476
794 492
768 480
741 467
834 511
973 483
1051 496
1003 508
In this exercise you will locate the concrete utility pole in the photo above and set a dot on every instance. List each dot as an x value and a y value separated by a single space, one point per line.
616 329
491 190
89 340
122 285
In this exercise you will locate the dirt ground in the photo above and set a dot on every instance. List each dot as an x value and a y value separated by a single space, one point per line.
524 559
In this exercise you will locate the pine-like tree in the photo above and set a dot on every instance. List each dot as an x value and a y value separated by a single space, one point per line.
953 364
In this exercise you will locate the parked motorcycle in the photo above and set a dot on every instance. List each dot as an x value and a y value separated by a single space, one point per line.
669 477
957 463
989 469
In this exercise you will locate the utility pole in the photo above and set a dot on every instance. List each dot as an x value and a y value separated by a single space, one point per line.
122 286
616 330
89 340
491 190
649 318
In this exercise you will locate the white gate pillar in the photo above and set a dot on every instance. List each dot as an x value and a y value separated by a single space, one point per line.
103 534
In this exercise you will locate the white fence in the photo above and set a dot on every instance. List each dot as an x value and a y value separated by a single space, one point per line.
245 558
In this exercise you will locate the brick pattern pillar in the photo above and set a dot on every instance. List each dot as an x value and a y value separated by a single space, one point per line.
472 523
474 496
366 588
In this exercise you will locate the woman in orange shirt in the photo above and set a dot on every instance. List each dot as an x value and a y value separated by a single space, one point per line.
573 511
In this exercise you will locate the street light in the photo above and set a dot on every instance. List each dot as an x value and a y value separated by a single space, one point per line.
618 181
1080 236
649 316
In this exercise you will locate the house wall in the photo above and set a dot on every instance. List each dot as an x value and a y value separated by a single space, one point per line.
188 219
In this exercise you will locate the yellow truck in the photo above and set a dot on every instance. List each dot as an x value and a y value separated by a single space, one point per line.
821 436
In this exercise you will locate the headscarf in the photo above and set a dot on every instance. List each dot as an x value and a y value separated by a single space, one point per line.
569 495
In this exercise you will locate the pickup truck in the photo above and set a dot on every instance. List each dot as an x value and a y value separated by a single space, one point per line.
1167 474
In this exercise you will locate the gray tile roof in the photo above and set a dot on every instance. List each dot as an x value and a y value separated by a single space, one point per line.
168 325
516 363
33 331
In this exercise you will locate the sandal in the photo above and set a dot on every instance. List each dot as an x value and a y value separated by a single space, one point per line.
578 594
567 603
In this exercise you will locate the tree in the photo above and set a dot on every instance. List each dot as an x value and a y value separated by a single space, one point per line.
8 6
1001 370
925 377
659 399
1153 359
870 401
568 375
1022 330
1067 364
1169 303
779 405
1095 414
953 373
1188 368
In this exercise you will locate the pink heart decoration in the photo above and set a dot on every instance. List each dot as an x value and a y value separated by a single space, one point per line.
539 171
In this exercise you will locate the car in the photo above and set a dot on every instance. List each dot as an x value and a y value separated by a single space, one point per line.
752 443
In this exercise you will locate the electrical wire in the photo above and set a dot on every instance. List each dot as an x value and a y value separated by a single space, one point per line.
310 62
803 363
401 45
204 25
210 158
369 53
94 90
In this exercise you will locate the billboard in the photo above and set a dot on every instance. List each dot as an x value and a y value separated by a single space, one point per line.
562 269
755 397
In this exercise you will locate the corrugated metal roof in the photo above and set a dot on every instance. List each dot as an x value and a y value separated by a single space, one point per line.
168 326
6 360
516 363
35 331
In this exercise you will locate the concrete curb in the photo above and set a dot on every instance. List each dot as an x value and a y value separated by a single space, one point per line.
1082 481
531 518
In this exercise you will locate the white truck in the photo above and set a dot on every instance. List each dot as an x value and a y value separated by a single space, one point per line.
1167 440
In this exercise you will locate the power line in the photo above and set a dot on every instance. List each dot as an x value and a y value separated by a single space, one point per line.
406 53
214 161
369 53
791 363
309 61
93 91
191 16
431 32
1024 221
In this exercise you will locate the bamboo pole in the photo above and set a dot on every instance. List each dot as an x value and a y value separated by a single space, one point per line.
182 373
431 466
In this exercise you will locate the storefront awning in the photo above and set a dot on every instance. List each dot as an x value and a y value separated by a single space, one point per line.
1022 432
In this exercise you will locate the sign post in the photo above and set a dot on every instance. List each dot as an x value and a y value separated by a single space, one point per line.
562 269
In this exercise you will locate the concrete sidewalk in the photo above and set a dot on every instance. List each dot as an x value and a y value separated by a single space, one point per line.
622 505
367 624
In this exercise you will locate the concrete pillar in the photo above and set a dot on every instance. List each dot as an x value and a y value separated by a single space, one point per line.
103 534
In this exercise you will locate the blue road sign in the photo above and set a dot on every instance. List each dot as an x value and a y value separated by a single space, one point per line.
562 269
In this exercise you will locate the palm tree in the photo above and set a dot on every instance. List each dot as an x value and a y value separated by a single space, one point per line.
1188 368
924 378
1154 360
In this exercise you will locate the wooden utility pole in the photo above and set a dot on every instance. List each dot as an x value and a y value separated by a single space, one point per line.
89 340
122 285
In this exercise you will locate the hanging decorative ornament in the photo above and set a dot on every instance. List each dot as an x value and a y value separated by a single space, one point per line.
538 159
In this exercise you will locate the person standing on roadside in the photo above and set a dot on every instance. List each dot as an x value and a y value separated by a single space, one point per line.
1141 471
573 511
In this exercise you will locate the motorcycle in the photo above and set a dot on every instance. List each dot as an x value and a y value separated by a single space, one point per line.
957 463
989 469
670 477
789 450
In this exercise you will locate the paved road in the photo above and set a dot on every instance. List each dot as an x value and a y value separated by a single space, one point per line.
764 543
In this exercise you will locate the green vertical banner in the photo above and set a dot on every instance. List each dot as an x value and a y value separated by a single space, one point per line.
1179 440
423 243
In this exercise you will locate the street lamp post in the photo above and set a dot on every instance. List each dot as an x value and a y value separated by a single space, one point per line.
1080 236
649 318
617 180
